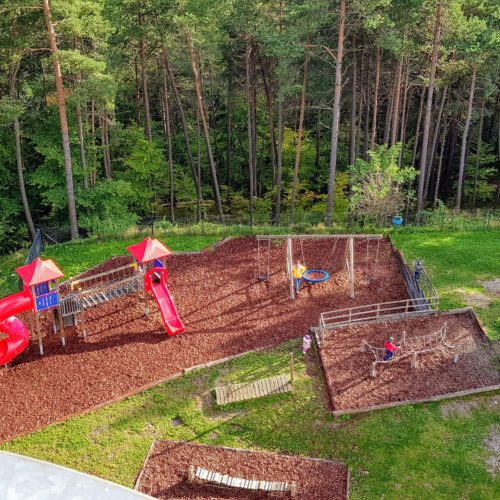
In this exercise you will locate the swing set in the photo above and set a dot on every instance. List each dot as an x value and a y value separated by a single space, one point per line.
321 274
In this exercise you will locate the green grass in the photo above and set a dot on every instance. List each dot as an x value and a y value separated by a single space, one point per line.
407 452
457 263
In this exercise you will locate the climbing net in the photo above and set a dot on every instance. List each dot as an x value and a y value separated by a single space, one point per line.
410 346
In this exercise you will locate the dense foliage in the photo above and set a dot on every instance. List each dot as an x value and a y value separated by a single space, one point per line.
256 109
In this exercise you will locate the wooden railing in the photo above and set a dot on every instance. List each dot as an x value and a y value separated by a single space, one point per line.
377 312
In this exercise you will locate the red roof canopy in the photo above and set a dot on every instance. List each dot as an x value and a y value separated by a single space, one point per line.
39 271
149 249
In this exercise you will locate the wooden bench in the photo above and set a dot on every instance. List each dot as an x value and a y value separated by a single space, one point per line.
205 476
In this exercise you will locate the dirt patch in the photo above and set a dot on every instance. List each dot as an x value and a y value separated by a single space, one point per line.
493 286
165 473
226 311
459 408
475 299
347 370
492 444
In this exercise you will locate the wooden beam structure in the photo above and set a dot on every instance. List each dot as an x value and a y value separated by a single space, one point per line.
289 266
262 237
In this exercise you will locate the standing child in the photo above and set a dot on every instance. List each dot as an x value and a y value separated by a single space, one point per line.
418 269
390 348
306 344
298 271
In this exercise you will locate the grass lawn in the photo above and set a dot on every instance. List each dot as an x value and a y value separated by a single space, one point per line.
407 452
457 263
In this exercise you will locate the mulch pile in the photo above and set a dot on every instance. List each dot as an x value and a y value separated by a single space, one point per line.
347 370
165 473
226 311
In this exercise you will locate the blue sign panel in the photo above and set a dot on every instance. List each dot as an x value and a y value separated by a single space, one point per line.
41 289
47 301
158 263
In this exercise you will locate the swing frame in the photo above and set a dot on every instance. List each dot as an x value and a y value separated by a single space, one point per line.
349 255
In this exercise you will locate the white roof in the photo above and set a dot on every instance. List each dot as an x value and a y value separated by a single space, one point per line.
24 478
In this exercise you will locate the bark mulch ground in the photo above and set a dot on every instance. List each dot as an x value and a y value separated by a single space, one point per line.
347 370
226 311
165 473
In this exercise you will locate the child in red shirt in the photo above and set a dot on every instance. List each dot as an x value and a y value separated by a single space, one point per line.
390 348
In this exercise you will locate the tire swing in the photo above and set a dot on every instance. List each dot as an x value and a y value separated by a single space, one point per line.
317 275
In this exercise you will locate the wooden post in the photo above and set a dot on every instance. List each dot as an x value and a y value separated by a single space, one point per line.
58 315
351 267
293 489
292 368
362 346
456 358
84 325
373 370
414 360
191 473
39 334
289 266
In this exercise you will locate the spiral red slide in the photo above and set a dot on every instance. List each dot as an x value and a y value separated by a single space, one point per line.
18 335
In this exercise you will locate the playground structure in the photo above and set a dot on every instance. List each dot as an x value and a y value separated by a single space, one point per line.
408 346
69 300
317 275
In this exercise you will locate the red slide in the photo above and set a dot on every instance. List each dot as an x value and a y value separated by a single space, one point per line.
18 335
171 319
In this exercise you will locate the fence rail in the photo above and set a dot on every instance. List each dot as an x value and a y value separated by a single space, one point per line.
377 312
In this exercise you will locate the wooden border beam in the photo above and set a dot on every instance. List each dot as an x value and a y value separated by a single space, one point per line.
319 236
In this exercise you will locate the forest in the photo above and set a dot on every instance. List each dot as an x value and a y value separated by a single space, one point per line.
273 112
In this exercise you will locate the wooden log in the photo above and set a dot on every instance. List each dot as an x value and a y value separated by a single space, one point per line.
414 360
373 370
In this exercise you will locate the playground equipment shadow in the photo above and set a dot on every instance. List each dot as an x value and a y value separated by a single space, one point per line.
347 370
164 474
226 310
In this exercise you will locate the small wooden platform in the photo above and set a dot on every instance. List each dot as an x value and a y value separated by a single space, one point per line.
251 390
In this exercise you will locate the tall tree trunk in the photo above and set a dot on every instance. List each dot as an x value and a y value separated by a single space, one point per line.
428 109
417 128
439 168
497 199
461 166
388 113
137 93
367 112
478 156
20 176
73 222
404 117
266 79
354 85
336 115
168 139
397 99
432 156
81 140
19 150
279 161
201 105
318 140
182 115
250 114
299 144
375 100
145 94
229 125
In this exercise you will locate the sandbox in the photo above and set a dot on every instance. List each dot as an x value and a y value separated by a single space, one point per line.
166 470
467 368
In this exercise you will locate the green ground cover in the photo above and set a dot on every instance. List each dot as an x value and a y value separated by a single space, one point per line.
420 451
458 263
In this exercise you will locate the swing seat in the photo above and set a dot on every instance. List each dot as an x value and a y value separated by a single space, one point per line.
315 276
